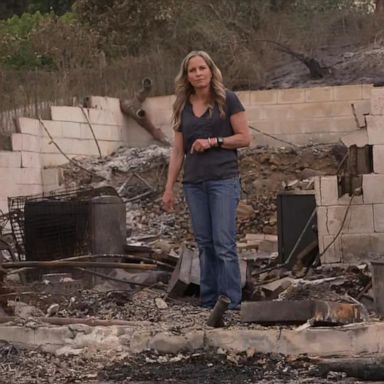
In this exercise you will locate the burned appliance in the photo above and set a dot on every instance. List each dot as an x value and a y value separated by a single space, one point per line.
296 224
63 225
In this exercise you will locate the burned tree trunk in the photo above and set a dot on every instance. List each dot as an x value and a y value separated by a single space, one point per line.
134 109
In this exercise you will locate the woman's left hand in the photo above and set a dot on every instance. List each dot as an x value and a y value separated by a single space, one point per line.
200 145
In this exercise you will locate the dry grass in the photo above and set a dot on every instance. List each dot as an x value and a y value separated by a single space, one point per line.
244 60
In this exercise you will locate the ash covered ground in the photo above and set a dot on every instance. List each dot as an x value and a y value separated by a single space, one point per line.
139 176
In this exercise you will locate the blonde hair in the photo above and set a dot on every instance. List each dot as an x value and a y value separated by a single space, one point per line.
184 89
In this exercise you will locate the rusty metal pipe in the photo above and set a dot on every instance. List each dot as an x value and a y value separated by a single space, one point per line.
216 318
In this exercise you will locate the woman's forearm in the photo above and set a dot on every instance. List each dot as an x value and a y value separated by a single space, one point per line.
175 164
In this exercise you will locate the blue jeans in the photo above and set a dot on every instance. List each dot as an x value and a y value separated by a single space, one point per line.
213 205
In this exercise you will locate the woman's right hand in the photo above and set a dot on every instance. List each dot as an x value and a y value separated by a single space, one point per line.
168 200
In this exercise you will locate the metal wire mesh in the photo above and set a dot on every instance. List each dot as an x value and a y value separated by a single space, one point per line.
52 225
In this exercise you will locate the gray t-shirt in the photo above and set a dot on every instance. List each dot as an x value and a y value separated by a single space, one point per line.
215 163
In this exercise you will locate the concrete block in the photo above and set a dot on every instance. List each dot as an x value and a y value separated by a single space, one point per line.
262 97
30 160
161 116
367 91
378 158
53 159
373 191
29 189
158 102
359 138
28 125
276 112
103 102
244 97
10 159
28 176
329 190
291 96
105 117
318 94
362 109
377 101
378 217
71 130
107 147
322 219
321 109
55 128
52 177
24 142
359 248
334 253
359 219
102 132
64 113
348 92
375 129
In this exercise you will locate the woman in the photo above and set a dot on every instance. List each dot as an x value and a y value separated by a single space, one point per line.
209 124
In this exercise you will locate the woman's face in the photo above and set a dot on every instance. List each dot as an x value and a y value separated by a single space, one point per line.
199 74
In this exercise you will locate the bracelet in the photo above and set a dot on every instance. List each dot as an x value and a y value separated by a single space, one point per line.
209 142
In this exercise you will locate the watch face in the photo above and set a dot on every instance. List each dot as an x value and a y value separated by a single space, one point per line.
220 141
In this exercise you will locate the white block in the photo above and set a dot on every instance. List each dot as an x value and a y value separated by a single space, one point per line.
10 159
105 117
329 190
28 176
359 219
73 114
28 125
102 132
377 101
52 177
30 160
334 253
362 247
378 217
107 147
71 130
375 129
54 128
158 102
378 158
30 189
359 138
373 189
362 108
329 193
53 159
101 102
321 214
24 142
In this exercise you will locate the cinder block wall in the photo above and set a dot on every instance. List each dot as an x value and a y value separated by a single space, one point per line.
301 116
362 235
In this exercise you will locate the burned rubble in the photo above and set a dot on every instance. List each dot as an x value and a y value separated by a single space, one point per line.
157 239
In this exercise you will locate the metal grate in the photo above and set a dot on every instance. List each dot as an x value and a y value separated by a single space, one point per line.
52 225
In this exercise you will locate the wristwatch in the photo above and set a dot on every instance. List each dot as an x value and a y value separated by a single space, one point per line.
220 141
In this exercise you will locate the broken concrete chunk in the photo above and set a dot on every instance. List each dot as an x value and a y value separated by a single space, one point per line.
160 303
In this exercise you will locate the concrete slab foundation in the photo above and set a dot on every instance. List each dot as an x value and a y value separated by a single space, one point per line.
350 340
